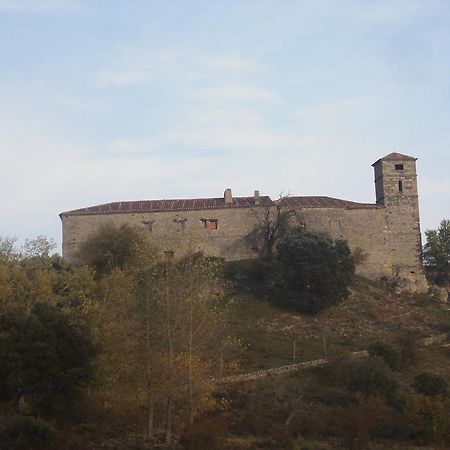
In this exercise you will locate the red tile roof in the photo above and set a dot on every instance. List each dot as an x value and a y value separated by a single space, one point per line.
144 206
198 204
323 202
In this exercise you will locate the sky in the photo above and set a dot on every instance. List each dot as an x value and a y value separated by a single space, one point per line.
110 100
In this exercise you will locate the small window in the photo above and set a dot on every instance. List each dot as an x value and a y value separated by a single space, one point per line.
399 167
210 224
148 224
400 186
181 221
168 255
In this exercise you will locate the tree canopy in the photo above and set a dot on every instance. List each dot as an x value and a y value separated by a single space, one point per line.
113 247
436 252
313 271
44 358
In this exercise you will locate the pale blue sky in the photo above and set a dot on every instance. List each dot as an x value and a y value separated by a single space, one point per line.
106 100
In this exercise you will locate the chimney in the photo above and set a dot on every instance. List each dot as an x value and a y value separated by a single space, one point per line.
257 198
228 197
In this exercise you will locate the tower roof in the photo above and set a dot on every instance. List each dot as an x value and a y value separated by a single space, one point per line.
394 156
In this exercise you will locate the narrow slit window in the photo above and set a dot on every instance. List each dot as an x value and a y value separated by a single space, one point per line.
399 167
400 186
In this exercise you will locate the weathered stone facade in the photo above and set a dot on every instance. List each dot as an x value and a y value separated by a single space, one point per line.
386 235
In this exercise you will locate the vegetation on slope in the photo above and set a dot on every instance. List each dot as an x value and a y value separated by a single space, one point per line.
166 332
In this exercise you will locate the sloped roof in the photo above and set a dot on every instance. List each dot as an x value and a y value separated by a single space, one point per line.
394 156
143 206
323 202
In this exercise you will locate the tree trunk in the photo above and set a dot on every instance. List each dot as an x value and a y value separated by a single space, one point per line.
150 419
169 421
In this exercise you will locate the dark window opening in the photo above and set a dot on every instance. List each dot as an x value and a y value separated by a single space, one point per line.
210 224
399 167
180 220
148 224
400 186
168 255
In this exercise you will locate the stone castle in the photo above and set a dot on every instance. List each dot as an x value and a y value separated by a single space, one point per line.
385 234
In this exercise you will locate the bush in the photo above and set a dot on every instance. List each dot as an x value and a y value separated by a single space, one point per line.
112 247
203 435
370 377
429 417
28 433
331 396
357 424
312 271
408 350
430 384
44 358
391 357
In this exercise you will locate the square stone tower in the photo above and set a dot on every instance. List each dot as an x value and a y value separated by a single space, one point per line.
396 190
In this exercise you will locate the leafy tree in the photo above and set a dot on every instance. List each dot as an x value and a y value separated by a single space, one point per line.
45 359
430 384
7 251
312 270
370 377
113 247
28 433
430 417
436 252
187 331
40 247
390 356
272 226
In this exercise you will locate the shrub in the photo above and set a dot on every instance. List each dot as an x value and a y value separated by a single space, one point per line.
203 435
387 353
43 357
370 377
430 384
28 433
408 350
112 247
429 417
331 396
357 424
313 271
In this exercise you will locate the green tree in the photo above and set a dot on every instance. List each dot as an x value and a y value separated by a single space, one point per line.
45 359
436 252
187 337
312 270
112 247
430 384
40 247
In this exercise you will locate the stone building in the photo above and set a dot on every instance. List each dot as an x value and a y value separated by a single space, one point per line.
385 234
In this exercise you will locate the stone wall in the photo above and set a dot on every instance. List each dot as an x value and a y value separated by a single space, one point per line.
182 231
177 231
386 235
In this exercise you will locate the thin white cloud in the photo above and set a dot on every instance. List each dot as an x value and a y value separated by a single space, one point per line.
236 92
134 64
32 6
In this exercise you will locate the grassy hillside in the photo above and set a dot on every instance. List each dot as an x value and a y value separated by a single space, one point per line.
372 312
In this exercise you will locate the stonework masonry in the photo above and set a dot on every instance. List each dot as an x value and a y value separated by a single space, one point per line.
386 234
